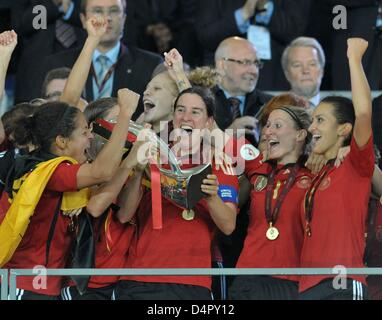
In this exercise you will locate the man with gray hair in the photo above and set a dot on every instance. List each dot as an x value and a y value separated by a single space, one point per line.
303 62
237 99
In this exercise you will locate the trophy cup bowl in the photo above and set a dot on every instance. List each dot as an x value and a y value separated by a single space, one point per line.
180 186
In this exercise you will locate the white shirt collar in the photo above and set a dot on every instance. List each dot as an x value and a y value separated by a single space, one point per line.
315 100
112 54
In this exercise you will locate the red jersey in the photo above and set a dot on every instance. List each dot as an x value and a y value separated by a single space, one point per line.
31 251
283 252
338 217
112 244
180 243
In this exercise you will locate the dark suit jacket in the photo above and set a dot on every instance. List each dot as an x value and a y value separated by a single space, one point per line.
38 44
361 19
133 70
223 113
216 21
177 15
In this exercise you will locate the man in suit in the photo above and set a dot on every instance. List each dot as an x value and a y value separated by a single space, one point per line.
303 62
162 25
284 20
237 103
63 32
114 65
237 99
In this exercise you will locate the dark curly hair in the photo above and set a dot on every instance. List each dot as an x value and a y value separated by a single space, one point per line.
49 121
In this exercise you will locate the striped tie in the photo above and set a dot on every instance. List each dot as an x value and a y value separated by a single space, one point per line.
65 33
235 105
103 63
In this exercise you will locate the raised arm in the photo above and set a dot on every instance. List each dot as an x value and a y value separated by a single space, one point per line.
8 42
103 196
360 91
132 193
96 27
174 64
130 197
108 160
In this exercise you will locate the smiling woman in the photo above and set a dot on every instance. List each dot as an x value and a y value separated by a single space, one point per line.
334 221
46 179
192 115
162 248
275 236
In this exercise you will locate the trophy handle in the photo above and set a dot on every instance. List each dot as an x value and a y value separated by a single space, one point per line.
135 129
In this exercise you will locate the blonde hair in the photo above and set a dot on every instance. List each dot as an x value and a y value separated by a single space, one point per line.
203 76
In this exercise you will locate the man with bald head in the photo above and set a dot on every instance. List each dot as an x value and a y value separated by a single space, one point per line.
237 99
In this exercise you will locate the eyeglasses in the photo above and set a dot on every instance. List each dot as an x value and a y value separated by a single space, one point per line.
245 62
112 12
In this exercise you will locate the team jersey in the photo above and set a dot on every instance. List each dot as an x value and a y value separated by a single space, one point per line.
285 250
338 216
112 244
31 251
180 243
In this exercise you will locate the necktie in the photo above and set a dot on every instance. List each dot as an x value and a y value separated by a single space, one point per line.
65 33
235 106
103 64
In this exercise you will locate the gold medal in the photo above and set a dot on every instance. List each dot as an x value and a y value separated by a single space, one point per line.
272 232
188 214
260 183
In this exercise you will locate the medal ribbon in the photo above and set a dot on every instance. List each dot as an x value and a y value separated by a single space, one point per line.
156 195
309 195
270 215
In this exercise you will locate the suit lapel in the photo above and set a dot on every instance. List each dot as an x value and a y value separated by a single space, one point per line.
251 104
88 94
123 71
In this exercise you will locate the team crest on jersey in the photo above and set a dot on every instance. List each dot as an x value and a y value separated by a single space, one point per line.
304 182
260 183
325 183
249 152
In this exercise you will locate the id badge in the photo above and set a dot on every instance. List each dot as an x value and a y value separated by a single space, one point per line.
260 37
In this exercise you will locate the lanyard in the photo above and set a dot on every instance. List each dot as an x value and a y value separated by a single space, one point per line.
109 72
309 196
270 215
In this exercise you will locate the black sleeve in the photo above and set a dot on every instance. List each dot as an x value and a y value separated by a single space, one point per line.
23 16
352 3
6 162
289 19
215 22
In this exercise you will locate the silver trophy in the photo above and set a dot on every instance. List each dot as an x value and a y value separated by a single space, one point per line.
180 186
